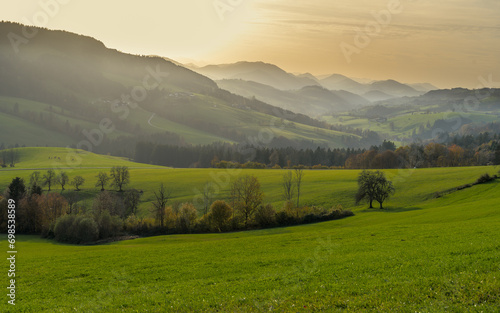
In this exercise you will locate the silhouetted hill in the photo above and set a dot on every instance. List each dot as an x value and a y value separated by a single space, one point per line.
263 73
394 88
341 82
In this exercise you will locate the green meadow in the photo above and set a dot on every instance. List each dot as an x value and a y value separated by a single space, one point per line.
421 254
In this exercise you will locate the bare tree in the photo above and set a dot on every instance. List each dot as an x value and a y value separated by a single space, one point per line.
131 200
102 180
208 194
247 196
288 186
120 176
299 174
161 199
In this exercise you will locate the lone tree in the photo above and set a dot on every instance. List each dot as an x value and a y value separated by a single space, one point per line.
384 189
373 186
299 173
49 178
120 176
62 179
77 182
208 195
288 186
102 180
247 196
159 205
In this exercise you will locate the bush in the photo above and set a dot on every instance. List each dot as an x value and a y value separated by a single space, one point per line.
76 229
186 218
284 219
63 230
484 179
109 226
203 225
265 216
86 230
219 215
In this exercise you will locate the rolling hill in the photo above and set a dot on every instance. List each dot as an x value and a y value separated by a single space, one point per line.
454 111
61 88
310 100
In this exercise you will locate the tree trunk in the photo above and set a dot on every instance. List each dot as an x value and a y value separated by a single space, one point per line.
371 203
381 206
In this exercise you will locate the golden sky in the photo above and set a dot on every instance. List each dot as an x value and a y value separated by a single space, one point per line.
448 43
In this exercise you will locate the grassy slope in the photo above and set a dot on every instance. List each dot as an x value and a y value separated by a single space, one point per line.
405 123
321 188
203 107
439 255
32 134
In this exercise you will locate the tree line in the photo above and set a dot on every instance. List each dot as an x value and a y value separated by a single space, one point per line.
429 155
482 149
205 156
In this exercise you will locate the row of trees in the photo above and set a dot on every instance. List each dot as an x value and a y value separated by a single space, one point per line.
118 177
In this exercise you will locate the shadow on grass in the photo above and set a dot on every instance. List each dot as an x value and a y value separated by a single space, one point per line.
390 210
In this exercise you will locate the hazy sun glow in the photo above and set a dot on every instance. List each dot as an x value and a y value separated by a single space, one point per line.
448 43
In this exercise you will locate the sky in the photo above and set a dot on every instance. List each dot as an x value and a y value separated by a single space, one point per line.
449 43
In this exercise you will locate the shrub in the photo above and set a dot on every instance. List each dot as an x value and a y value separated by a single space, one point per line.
237 222
265 216
484 179
109 226
76 229
220 214
63 230
203 225
170 217
186 217
86 230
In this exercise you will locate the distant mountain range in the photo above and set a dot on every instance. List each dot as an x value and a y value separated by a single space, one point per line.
272 84
60 88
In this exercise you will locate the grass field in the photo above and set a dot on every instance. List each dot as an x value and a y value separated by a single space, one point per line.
436 255
422 254
324 188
